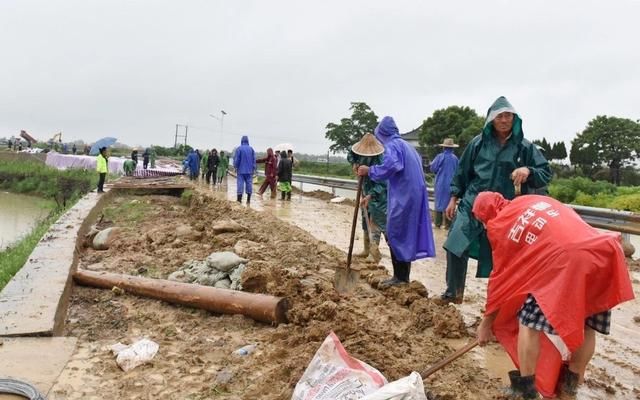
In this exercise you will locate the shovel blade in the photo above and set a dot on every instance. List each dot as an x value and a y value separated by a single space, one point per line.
346 280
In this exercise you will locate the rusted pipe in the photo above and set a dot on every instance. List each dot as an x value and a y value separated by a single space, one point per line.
260 307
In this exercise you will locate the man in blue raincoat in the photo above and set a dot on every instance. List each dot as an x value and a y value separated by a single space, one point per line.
444 166
500 160
193 163
244 161
409 232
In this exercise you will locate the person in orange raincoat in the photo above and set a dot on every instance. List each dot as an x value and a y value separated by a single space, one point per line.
552 274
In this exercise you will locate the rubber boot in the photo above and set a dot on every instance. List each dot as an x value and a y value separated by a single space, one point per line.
248 198
374 253
568 382
239 198
288 196
522 387
283 195
367 247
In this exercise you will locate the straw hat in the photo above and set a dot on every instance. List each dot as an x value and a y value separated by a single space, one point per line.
448 142
368 146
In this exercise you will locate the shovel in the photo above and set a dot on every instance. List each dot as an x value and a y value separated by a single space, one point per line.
346 279
441 364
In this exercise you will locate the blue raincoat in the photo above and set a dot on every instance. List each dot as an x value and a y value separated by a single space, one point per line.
408 221
444 166
193 162
244 161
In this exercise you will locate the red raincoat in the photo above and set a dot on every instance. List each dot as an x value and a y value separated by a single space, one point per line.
542 247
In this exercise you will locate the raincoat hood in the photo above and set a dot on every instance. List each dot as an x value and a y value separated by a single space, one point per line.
269 152
487 206
244 140
499 106
386 130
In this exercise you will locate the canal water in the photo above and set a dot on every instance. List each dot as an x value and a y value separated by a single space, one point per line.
19 214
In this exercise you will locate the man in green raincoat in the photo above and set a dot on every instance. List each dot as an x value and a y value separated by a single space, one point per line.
222 167
368 151
500 160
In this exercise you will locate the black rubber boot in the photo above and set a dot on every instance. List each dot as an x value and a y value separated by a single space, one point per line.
248 198
568 382
282 195
289 196
522 387
239 198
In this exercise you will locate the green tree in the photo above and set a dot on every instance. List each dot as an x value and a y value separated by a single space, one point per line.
456 122
610 141
350 130
546 147
559 151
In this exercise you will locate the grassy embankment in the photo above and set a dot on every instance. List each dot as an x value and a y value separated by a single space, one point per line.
60 189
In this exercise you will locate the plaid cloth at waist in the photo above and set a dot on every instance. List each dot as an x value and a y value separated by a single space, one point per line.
531 316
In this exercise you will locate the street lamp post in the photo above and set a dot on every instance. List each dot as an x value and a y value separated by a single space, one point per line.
221 119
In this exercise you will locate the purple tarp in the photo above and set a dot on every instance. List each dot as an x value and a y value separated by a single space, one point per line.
64 161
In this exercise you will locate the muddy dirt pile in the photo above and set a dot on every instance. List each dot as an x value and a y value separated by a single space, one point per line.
397 330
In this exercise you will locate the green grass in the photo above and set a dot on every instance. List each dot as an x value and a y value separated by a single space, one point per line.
13 258
35 178
128 212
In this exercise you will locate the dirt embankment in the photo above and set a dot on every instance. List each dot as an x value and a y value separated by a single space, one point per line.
396 331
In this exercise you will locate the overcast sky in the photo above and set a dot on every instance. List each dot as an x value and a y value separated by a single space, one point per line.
283 69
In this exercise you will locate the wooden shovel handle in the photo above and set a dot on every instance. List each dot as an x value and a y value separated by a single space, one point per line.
355 220
449 359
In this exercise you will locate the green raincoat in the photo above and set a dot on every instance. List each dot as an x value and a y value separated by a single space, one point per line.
378 190
485 165
223 165
204 162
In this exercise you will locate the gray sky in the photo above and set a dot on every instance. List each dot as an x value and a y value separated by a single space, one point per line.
284 69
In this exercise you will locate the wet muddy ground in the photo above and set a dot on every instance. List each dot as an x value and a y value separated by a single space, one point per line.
293 248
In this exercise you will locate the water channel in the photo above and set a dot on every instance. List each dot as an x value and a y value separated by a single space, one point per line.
19 214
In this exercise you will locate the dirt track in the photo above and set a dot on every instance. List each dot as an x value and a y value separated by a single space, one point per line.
391 330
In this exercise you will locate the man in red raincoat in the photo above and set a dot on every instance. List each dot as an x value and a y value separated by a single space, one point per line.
552 274
270 173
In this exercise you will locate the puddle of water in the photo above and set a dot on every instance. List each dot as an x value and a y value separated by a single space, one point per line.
19 214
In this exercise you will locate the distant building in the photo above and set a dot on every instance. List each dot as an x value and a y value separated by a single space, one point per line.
412 137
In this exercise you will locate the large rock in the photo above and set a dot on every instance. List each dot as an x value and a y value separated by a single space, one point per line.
223 284
197 272
247 248
105 238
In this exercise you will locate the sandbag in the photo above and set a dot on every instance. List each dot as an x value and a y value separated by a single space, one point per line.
225 260
335 375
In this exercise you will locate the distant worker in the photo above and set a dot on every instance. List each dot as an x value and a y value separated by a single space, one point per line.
285 174
213 160
444 166
74 149
193 164
145 158
223 166
134 156
554 282
129 166
244 161
102 166
204 164
368 151
152 157
9 144
270 173
294 161
409 232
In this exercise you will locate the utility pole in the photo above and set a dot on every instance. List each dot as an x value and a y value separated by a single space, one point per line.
221 119
178 135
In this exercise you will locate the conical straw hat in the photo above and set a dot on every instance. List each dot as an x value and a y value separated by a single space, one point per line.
368 146
448 142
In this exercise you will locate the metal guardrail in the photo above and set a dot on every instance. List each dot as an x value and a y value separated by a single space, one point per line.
603 218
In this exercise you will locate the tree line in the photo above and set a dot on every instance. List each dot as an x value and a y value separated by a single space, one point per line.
608 145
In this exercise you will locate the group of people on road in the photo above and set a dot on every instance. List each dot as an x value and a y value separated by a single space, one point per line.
549 272
278 170
208 165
